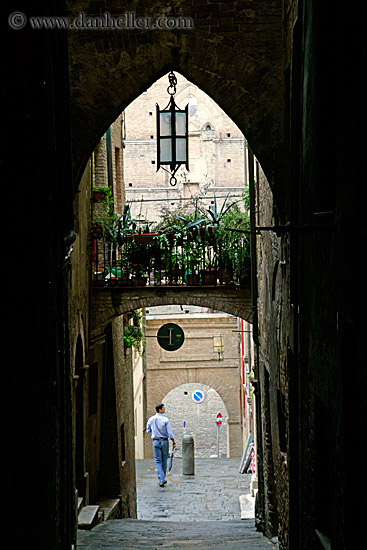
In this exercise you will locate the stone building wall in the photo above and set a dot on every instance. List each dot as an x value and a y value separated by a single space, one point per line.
99 375
79 273
274 327
138 362
100 163
84 458
123 371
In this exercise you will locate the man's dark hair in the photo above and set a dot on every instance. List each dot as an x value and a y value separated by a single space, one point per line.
159 406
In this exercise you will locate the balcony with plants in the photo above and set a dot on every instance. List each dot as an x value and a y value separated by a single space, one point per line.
190 246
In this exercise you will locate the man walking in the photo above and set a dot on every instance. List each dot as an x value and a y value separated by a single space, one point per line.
160 428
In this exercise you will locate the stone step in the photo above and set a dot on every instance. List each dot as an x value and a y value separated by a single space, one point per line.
88 517
100 516
80 504
110 507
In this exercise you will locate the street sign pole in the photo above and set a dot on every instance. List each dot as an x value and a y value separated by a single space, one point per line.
218 421
217 440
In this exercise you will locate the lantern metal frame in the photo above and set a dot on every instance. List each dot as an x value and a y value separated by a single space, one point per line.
173 161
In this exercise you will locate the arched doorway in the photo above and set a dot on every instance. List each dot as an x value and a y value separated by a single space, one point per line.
197 405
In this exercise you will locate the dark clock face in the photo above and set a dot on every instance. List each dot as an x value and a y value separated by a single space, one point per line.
170 337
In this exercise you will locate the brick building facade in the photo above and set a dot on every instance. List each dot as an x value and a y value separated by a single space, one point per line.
216 151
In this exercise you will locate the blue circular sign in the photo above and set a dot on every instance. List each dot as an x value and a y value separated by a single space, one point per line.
198 396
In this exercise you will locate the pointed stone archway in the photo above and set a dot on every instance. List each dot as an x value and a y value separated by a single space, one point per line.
110 69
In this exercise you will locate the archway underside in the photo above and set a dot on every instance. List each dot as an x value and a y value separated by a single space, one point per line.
109 303
235 64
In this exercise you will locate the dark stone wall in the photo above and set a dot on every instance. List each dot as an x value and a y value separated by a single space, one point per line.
275 314
351 268
312 352
37 215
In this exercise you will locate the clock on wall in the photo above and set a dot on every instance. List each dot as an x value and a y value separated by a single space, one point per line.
170 337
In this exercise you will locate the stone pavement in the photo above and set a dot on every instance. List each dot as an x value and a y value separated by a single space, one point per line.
191 512
211 494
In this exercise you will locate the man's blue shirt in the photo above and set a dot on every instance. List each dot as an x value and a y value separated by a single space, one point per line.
159 426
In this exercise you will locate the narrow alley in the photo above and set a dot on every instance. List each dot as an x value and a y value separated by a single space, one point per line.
202 511
184 225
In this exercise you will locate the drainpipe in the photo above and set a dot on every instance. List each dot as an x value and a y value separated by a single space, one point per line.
90 252
109 159
255 329
245 160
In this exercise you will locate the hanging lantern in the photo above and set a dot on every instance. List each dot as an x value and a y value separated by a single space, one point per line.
218 345
172 134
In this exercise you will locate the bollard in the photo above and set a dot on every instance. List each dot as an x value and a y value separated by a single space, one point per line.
188 462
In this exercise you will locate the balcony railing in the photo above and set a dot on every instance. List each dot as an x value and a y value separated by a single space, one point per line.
145 259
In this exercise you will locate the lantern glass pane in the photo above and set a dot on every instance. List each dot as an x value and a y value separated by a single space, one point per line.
181 149
165 121
180 124
218 343
165 150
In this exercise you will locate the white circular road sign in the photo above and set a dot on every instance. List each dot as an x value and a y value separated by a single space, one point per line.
198 396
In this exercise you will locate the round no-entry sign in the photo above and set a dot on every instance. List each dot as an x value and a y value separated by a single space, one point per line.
219 419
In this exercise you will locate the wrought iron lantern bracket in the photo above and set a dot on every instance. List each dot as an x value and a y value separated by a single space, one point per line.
172 134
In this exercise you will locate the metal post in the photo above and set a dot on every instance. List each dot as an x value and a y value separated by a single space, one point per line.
217 440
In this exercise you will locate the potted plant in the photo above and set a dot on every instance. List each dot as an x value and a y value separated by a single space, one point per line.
233 242
209 274
193 225
100 192
193 260
145 235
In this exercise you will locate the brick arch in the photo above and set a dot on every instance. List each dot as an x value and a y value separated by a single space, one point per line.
238 63
108 303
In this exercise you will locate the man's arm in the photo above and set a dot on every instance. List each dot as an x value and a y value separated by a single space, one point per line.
170 433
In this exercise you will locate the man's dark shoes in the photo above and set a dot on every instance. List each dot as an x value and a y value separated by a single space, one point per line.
164 482
161 484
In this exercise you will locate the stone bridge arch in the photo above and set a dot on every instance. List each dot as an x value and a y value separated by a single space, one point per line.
109 303
238 61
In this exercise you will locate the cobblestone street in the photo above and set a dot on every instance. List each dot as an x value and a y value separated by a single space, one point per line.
211 494
200 511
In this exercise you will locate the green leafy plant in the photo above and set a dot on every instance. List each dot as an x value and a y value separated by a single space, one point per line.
105 191
133 333
192 225
216 216
234 244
